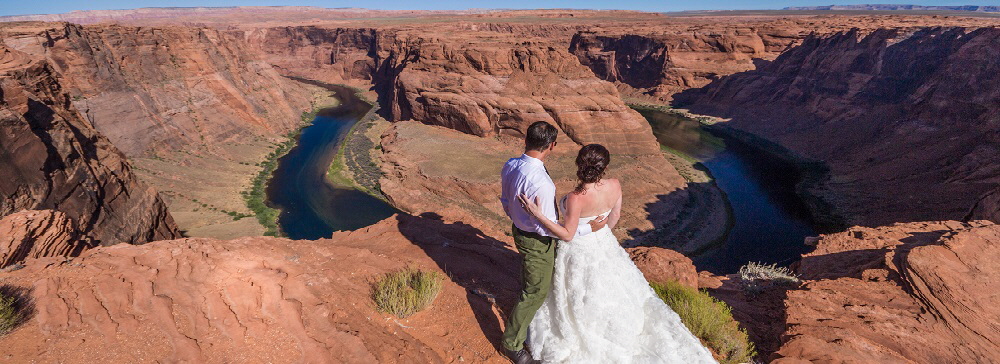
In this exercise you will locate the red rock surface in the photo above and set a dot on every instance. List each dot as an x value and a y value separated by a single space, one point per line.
458 80
152 90
914 292
275 300
898 92
37 234
266 299
52 158
662 265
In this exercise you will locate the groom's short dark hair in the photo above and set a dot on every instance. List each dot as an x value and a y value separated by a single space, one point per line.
539 136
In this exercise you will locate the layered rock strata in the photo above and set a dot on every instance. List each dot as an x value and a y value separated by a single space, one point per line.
913 293
153 90
37 234
908 129
464 83
53 159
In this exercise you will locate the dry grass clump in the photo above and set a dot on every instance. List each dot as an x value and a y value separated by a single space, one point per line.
405 292
759 277
710 320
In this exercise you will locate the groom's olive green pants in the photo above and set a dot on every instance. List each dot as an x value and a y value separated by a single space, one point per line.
539 253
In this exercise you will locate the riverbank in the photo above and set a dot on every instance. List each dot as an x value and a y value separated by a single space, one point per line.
767 213
813 174
706 218
205 191
311 205
255 196
357 164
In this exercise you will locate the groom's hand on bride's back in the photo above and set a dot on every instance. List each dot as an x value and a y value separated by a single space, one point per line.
599 223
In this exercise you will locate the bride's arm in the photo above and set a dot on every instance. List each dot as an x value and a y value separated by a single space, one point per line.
564 232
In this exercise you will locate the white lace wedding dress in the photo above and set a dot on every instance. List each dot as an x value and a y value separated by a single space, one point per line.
602 310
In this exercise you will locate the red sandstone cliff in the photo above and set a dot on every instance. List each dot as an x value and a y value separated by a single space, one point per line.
908 128
660 65
463 82
53 159
152 89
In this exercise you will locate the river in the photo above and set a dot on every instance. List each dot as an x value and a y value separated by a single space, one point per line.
769 219
311 206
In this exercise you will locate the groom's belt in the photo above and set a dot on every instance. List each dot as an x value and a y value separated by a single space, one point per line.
529 234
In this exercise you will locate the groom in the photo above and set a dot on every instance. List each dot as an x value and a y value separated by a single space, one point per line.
526 175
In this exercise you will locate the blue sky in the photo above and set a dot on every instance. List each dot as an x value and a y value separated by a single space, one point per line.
18 7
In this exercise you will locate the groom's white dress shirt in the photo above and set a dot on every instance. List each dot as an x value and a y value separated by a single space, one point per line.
527 176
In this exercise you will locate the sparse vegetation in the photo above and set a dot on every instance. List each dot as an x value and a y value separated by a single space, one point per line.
405 292
710 320
14 308
256 194
759 277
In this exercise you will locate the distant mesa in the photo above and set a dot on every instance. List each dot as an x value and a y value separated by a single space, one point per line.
896 7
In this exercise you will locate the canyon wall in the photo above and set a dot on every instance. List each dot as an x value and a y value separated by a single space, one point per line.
463 82
907 121
54 159
152 90
660 65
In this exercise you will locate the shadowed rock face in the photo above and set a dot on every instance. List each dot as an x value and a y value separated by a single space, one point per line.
480 88
914 292
908 128
988 207
53 159
662 65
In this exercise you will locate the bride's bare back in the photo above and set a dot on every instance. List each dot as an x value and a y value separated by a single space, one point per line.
596 199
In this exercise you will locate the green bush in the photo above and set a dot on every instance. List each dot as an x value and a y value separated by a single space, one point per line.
10 315
405 292
710 320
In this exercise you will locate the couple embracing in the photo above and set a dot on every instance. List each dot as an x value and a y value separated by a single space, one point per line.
583 300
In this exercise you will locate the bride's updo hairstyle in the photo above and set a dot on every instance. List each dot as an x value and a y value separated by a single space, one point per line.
591 163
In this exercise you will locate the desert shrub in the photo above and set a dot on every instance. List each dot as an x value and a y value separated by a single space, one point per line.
14 308
405 292
710 320
759 277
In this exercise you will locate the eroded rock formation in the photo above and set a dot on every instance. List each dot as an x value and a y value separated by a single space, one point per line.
270 299
914 292
661 65
53 159
37 234
152 90
908 129
464 83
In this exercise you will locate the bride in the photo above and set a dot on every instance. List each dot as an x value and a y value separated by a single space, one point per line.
601 309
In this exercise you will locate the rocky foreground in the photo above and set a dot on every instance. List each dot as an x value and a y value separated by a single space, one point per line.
916 292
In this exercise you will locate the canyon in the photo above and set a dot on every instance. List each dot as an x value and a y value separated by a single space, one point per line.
190 102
